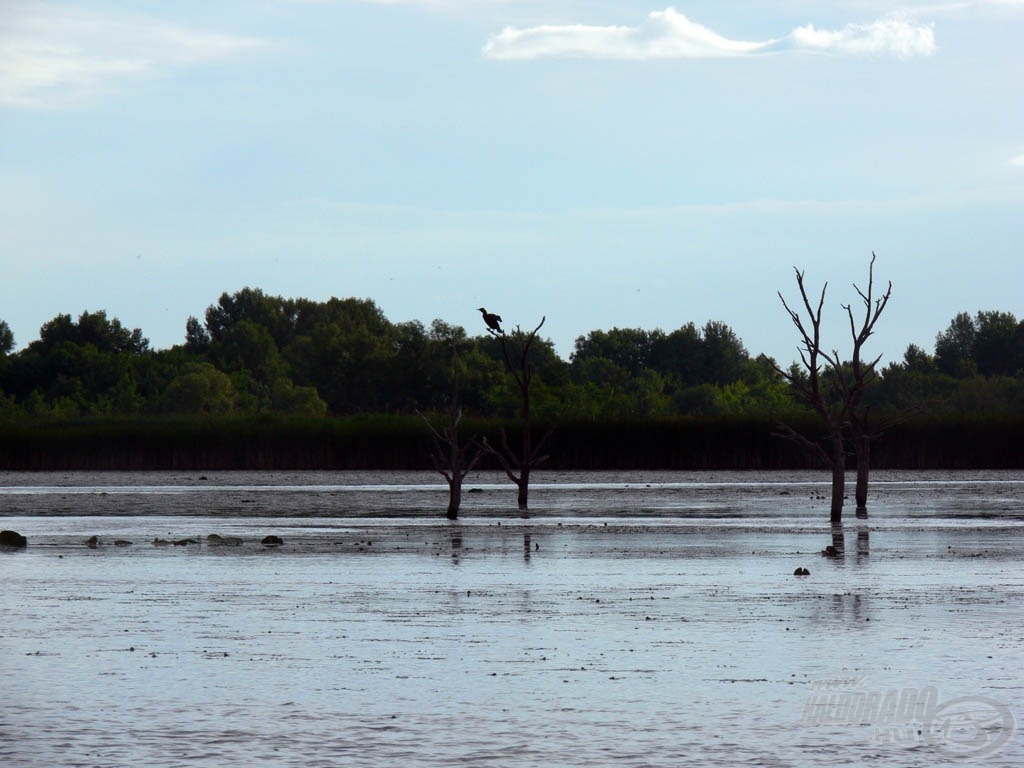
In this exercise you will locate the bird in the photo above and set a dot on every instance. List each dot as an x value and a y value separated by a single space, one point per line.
493 321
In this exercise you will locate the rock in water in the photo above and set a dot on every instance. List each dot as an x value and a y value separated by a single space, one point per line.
12 540
92 542
272 541
216 540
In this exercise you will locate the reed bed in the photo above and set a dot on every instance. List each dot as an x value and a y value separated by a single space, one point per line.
403 441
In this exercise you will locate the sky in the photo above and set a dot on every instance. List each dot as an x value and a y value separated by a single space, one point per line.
596 163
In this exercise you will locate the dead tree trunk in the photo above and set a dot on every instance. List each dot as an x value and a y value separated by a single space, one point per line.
818 394
864 430
518 466
450 457
863 374
832 453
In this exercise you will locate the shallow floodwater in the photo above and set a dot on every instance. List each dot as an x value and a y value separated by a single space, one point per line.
636 619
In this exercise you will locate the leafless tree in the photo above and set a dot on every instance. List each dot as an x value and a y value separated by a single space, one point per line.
451 457
515 348
819 393
834 390
863 373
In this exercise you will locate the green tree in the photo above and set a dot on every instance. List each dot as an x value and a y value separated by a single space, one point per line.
197 338
87 366
250 347
954 347
724 355
251 305
296 401
199 389
680 355
603 389
479 375
917 360
998 348
629 349
106 335
6 338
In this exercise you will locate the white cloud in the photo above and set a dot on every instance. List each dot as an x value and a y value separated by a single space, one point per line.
886 36
57 56
669 34
1017 161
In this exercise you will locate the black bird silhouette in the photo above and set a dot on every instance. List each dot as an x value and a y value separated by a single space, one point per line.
493 321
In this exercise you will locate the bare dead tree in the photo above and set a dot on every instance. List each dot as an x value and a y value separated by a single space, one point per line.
863 374
840 404
451 457
515 348
820 393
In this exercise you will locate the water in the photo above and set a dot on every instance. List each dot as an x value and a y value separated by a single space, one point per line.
640 619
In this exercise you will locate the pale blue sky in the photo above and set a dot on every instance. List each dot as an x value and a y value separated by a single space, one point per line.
601 163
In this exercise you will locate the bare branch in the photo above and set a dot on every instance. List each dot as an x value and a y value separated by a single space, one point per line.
505 456
787 432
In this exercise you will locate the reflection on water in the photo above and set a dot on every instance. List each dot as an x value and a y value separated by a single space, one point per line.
863 542
456 541
654 626
838 546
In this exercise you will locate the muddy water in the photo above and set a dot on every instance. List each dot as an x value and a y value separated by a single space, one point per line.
637 619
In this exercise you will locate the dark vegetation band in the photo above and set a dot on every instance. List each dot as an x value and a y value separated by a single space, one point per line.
402 442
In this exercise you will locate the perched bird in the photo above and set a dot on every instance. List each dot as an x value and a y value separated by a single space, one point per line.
493 321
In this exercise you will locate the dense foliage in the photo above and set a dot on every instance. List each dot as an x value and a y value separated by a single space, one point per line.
255 354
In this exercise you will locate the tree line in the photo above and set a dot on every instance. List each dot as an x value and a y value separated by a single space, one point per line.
257 354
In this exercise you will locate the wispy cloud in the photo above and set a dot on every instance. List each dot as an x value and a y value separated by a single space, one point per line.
1017 161
957 6
59 56
669 34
